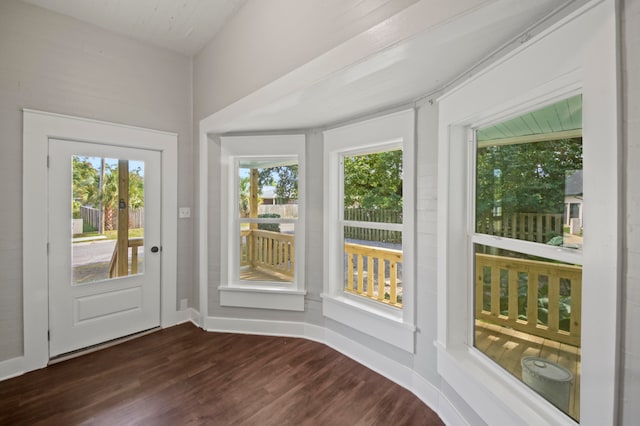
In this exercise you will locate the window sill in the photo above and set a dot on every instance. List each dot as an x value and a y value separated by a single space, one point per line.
383 324
497 396
253 296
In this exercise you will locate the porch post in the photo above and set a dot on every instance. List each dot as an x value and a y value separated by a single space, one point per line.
123 218
253 213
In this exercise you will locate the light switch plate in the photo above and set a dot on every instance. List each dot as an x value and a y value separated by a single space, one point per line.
184 212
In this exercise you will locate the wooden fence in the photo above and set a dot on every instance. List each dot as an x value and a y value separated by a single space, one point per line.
526 295
284 210
373 215
91 217
536 227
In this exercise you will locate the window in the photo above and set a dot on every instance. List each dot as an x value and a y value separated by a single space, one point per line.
263 225
369 199
528 294
372 225
477 227
267 213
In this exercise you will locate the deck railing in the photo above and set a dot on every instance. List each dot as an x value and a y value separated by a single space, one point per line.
271 251
520 293
367 271
134 243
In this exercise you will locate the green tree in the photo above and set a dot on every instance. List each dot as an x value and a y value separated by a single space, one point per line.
285 180
85 184
245 183
373 181
525 178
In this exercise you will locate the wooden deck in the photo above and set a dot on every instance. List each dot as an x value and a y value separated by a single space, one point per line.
247 273
507 347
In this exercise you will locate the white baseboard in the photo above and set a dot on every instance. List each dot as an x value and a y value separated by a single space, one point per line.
195 317
388 367
261 327
11 368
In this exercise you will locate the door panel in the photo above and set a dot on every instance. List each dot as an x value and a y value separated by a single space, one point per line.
104 279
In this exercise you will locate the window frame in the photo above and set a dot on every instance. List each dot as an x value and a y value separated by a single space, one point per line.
258 294
387 323
567 58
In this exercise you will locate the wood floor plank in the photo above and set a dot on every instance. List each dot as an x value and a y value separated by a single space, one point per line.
186 376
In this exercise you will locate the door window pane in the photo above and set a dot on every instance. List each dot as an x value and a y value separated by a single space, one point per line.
102 198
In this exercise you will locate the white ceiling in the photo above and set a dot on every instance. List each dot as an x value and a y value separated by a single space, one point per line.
403 73
184 26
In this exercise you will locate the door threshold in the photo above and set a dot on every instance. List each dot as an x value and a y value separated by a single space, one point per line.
84 351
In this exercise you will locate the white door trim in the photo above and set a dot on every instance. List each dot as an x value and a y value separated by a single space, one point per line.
38 127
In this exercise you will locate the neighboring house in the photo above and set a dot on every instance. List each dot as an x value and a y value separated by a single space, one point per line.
317 80
268 195
573 198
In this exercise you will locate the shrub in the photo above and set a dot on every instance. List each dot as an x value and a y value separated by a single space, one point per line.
273 227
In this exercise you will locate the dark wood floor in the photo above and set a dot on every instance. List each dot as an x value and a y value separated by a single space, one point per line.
185 376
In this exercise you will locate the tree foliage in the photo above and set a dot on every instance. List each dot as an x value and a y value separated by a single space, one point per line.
285 180
86 184
525 178
244 196
86 188
373 181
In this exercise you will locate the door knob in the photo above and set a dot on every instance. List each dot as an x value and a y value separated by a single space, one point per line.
154 249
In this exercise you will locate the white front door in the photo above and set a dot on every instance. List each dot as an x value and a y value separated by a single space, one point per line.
104 279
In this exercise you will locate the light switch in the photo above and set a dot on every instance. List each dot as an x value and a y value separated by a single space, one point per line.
184 212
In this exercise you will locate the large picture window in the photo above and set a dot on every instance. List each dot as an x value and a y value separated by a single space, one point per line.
519 289
528 293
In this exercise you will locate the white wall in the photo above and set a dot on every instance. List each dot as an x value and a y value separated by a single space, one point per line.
631 135
54 63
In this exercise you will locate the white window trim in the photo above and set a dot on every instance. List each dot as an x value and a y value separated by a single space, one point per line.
570 57
256 294
391 325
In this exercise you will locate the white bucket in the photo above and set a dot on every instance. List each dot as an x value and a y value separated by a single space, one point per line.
549 379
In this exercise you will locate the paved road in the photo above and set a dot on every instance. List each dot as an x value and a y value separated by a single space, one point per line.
96 252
